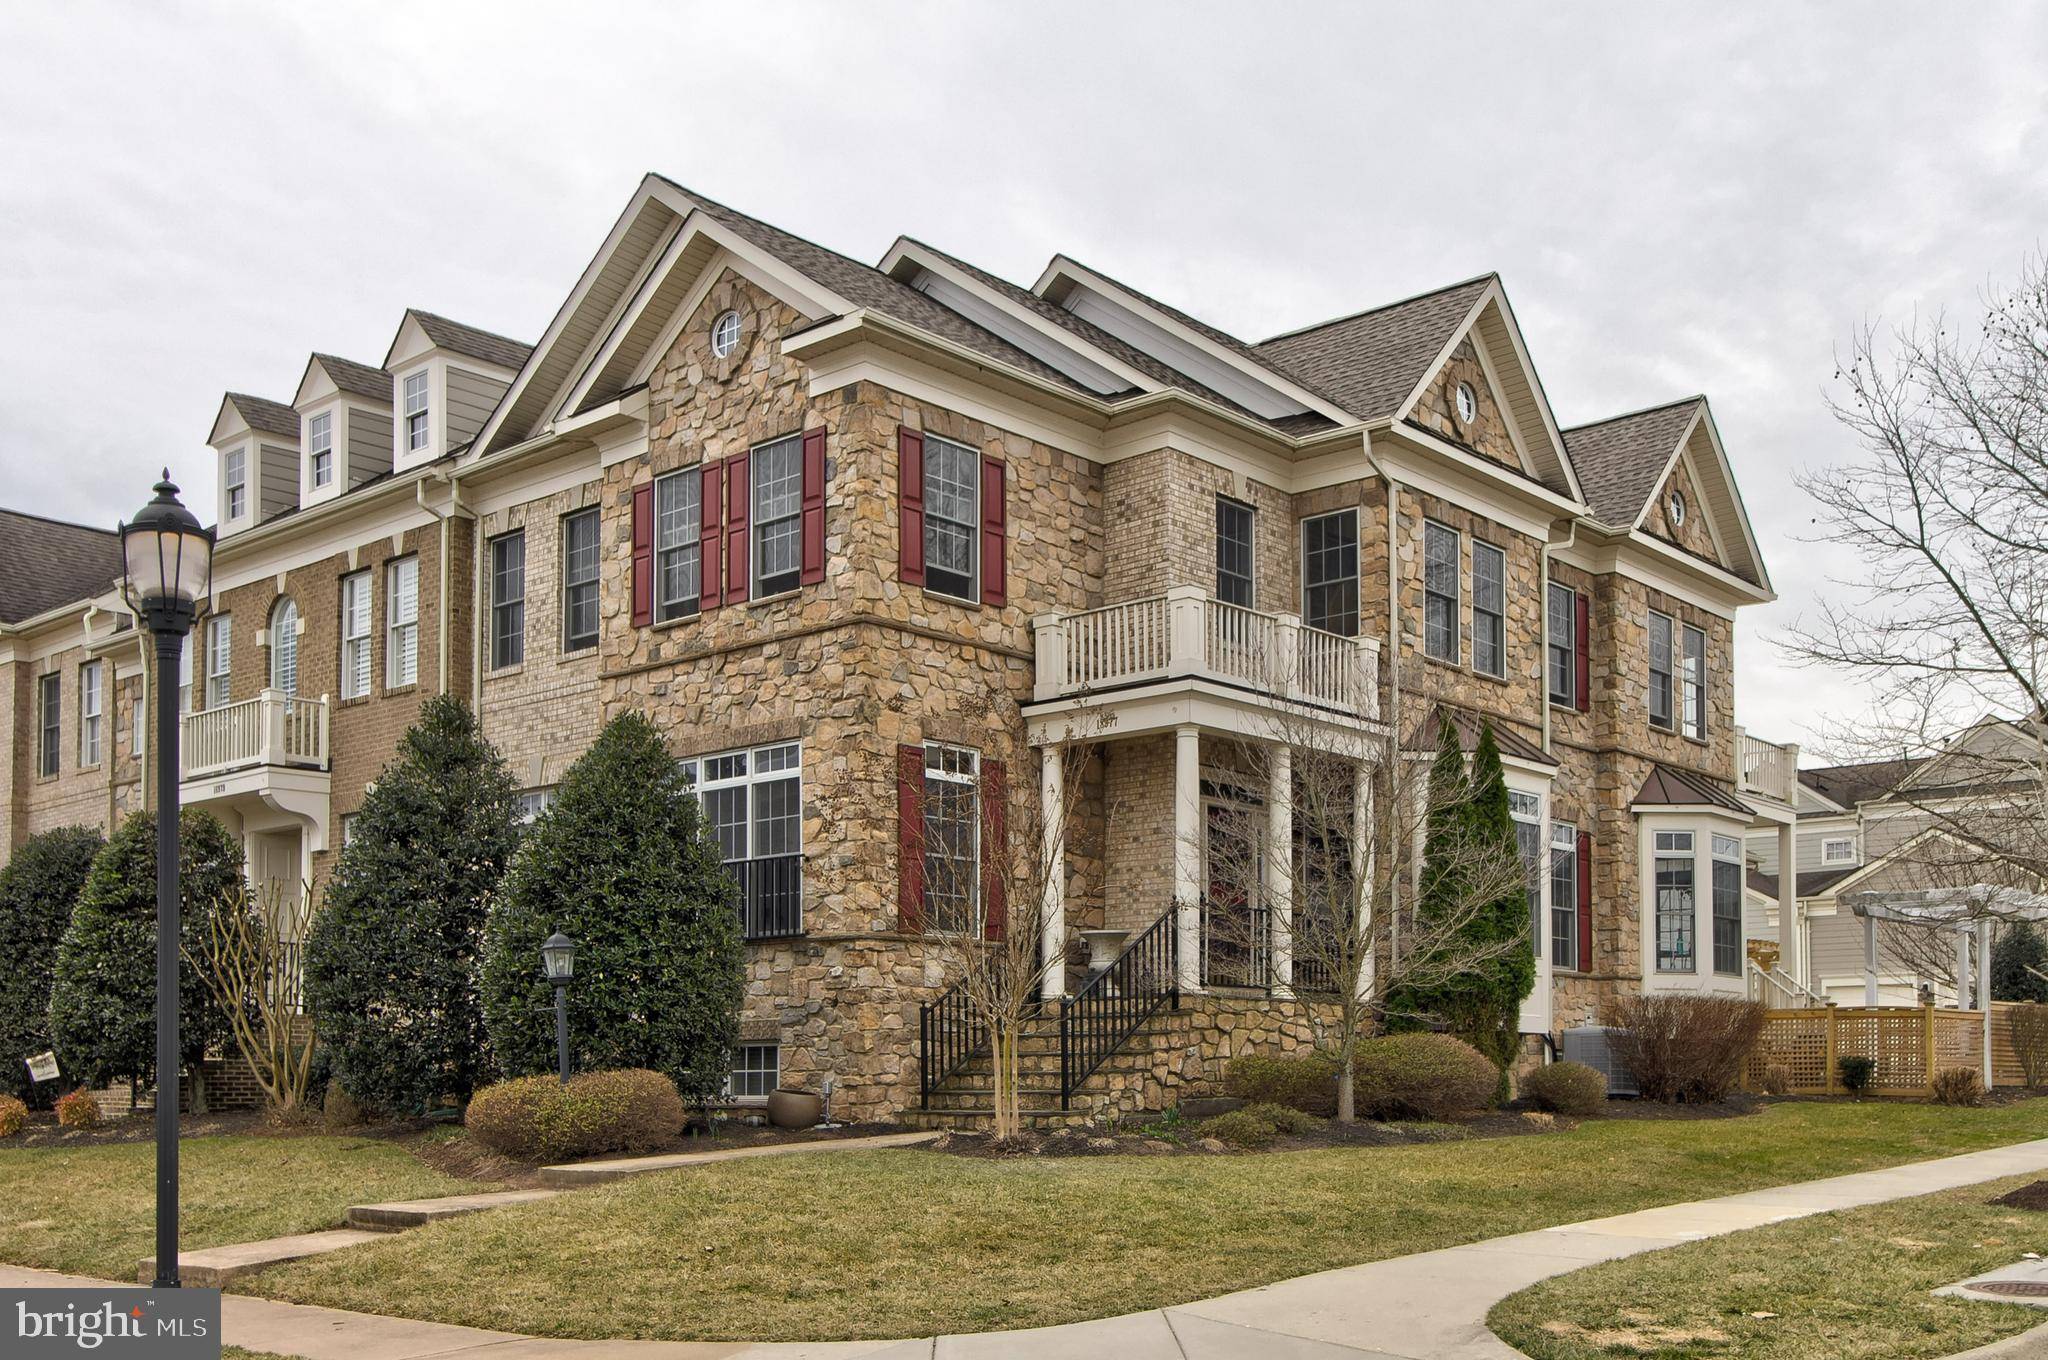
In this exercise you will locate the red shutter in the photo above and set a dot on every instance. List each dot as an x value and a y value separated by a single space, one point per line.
1582 649
995 855
736 502
711 540
1585 901
643 555
909 506
994 532
910 839
814 508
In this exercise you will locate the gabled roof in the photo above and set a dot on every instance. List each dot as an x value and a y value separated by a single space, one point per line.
72 562
362 380
1847 785
1669 786
477 344
1622 460
1370 361
265 415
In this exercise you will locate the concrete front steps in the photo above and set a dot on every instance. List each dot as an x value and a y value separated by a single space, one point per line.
965 1101
398 1215
214 1267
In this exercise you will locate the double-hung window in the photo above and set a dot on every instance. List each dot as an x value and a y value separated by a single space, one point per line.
952 839
1329 572
678 560
1561 643
416 412
91 708
776 471
235 476
402 623
1728 873
50 715
756 1071
1692 690
952 518
1489 610
579 580
754 802
1440 591
1660 670
355 635
220 636
320 447
1527 811
1564 895
508 599
1677 901
1233 552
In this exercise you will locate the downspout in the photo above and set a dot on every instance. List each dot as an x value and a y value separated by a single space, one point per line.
1393 671
456 510
1550 544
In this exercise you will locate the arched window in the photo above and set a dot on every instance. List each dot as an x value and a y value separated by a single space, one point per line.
284 646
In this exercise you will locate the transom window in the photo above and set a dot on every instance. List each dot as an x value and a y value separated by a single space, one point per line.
284 647
777 472
753 800
1564 895
1728 873
235 474
1234 552
220 634
952 518
1329 572
725 334
756 1071
91 709
1561 645
1660 670
579 580
402 622
952 839
355 635
1489 609
508 599
320 447
1440 591
416 411
50 707
1838 850
678 558
1677 902
1692 694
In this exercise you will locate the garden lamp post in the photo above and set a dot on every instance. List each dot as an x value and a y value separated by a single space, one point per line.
558 966
169 559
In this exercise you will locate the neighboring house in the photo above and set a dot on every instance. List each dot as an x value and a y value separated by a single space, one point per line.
869 542
1916 822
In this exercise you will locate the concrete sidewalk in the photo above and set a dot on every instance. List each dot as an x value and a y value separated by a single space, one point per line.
1430 1306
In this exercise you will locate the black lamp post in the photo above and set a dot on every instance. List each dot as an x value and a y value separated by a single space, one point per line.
558 966
169 560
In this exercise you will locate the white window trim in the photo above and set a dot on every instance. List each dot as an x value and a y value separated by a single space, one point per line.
234 478
355 632
220 632
972 595
401 634
1828 844
774 1047
936 754
666 611
1571 629
1691 710
92 707
425 411
693 773
1457 596
1251 548
496 602
49 725
1701 826
1650 672
314 448
1481 545
596 582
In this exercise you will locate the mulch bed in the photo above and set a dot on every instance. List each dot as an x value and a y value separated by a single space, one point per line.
42 1129
2034 1196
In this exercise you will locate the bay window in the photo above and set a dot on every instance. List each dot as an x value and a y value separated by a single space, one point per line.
1676 901
1564 895
753 800
1527 811
1728 874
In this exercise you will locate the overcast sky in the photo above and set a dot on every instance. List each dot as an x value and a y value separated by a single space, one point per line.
193 197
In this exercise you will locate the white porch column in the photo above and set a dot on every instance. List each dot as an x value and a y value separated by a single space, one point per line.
1984 991
1362 866
1052 938
1962 969
1279 875
1788 906
1187 852
1870 961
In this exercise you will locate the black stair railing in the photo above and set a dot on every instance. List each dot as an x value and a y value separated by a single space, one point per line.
948 1034
1111 1006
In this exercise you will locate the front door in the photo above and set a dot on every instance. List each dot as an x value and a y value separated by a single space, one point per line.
1236 935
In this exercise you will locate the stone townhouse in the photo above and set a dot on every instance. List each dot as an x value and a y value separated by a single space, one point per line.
870 542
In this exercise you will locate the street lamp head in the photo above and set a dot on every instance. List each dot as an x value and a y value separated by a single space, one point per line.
169 557
558 958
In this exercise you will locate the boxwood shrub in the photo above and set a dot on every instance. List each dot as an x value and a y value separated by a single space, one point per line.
1567 1088
1305 1082
542 1119
1421 1076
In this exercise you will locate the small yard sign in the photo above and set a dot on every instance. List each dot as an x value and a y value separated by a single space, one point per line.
43 1067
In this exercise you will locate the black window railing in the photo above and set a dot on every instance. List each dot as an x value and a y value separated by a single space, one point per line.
771 895
1111 1006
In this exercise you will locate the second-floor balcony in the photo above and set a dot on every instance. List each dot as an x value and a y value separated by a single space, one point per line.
272 729
1186 635
1766 769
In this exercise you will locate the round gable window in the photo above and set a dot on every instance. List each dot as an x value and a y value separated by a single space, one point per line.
725 334
1677 507
1468 403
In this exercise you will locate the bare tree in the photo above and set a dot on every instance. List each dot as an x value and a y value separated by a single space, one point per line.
248 959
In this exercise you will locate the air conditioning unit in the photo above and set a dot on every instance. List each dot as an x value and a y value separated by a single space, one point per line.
1593 1045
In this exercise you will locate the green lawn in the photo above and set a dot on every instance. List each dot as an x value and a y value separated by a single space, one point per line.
1853 1285
907 1243
91 1210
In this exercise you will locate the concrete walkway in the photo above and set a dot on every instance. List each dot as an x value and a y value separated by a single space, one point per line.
1430 1306
569 1175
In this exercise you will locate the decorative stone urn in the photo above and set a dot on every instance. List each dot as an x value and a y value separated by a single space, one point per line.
795 1109
1103 947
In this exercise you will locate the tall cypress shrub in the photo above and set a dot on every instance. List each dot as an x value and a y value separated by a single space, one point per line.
103 992
393 957
1485 1008
1409 1004
37 889
625 865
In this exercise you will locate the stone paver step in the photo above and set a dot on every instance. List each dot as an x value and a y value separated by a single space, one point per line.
213 1267
398 1215
571 1174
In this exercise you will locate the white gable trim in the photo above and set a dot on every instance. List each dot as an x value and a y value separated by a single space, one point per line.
1657 487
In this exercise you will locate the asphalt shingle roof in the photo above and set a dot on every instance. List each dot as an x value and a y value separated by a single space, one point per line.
1812 882
270 417
477 344
1620 460
361 379
52 563
1849 785
1368 363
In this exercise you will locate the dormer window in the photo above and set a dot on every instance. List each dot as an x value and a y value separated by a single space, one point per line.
235 476
320 444
416 412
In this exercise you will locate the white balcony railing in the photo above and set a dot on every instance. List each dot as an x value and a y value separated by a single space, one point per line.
1185 634
1766 768
271 729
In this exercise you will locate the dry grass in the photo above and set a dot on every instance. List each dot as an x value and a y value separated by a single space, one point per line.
1852 1285
907 1243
